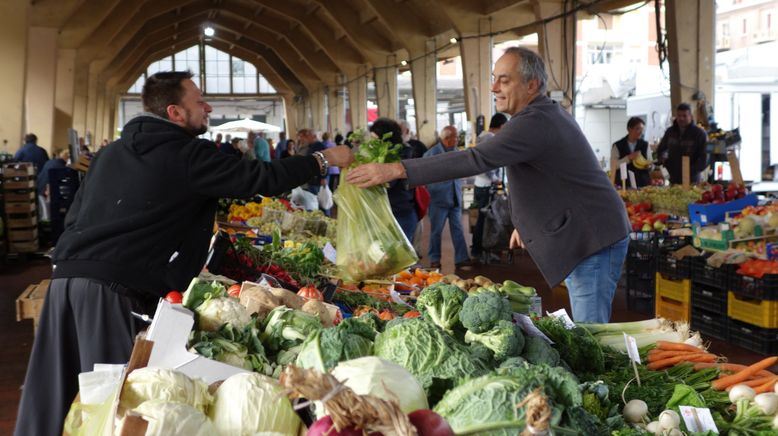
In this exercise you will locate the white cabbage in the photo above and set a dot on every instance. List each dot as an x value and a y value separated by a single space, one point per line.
383 379
173 419
250 403
215 312
162 384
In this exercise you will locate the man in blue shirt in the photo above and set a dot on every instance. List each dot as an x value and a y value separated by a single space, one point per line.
261 147
32 152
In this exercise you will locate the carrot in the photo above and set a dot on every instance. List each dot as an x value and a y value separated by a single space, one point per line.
732 367
677 346
745 374
754 382
766 387
670 361
666 354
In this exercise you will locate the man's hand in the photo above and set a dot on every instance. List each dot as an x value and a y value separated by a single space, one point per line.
340 156
634 155
516 240
365 176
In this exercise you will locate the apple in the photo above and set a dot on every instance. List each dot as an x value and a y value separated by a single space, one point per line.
730 195
716 188
707 197
659 226
647 227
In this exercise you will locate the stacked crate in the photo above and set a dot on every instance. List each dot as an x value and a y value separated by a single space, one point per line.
641 265
752 308
21 220
709 298
63 184
673 281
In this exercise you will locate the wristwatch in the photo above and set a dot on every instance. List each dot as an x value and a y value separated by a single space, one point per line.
324 166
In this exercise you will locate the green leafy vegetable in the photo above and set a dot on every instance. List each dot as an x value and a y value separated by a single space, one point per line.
481 312
237 347
325 348
576 346
378 150
504 339
537 351
285 328
201 290
441 303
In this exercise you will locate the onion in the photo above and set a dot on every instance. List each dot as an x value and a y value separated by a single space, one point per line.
635 410
775 422
675 432
429 423
767 403
669 420
325 427
741 392
653 427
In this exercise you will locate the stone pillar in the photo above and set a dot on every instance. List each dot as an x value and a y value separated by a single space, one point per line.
41 83
337 109
424 80
318 109
556 44
14 16
691 50
386 89
91 110
80 97
477 74
357 100
290 116
100 116
63 96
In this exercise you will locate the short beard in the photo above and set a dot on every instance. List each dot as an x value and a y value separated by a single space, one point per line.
194 130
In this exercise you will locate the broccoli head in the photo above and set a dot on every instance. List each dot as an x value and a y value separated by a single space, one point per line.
481 312
537 351
441 304
480 352
504 339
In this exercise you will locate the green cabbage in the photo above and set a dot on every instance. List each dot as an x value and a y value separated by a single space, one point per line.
373 376
250 403
215 312
167 418
323 349
168 385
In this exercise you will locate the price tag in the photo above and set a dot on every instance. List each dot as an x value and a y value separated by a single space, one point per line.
562 314
529 328
703 218
632 348
632 181
698 419
397 299
329 252
623 171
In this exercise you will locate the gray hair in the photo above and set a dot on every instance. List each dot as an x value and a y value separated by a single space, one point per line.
447 132
531 66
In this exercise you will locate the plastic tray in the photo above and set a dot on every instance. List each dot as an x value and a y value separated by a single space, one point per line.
640 295
672 268
678 290
643 269
704 214
709 324
754 338
765 288
762 313
707 275
709 299
672 309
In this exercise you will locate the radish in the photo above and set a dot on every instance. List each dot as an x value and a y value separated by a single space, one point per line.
325 427
429 423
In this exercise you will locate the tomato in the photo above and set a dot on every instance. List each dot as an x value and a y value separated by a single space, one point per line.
386 315
234 291
412 314
311 293
174 297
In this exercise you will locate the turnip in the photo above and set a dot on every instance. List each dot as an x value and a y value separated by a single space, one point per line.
325 427
741 392
653 427
675 432
775 422
767 403
669 420
635 410
429 423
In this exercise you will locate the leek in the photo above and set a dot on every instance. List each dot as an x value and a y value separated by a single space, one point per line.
627 327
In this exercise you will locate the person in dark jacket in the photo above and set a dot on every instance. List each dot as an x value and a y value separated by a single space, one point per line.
684 138
401 198
628 148
139 227
32 152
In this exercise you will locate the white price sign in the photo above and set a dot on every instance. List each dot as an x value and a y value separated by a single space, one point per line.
698 419
562 314
529 327
329 252
632 348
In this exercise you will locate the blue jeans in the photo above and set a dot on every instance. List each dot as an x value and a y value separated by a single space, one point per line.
408 222
592 283
438 216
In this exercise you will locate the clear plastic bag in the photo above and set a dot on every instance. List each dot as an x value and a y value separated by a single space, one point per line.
371 243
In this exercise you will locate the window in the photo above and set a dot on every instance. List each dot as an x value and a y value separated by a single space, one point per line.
600 54
724 29
217 71
244 77
137 87
189 59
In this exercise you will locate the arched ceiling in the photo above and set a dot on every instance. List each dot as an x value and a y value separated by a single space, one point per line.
298 45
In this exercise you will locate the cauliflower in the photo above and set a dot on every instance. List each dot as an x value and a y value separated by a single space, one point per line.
216 312
481 312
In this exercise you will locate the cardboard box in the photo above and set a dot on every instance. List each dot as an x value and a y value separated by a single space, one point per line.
30 302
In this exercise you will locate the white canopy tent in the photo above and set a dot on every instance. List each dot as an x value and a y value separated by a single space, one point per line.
244 126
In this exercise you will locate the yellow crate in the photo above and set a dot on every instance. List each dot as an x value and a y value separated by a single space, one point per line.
678 290
761 313
673 310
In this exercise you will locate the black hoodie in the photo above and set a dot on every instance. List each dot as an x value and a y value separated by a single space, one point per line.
144 215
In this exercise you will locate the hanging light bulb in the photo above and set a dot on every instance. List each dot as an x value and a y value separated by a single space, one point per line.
208 31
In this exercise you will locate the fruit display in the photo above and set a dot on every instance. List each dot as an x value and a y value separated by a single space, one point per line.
643 220
673 200
641 163
717 194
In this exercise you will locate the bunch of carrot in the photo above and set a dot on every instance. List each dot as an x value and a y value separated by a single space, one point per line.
667 354
756 376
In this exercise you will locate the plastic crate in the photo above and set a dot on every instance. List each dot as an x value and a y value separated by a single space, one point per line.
754 338
765 288
640 295
678 290
761 313
704 214
709 323
642 269
707 275
642 246
709 299
672 268
671 309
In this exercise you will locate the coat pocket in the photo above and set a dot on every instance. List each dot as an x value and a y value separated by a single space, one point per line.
558 223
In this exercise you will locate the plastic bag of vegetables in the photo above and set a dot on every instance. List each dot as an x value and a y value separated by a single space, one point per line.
370 241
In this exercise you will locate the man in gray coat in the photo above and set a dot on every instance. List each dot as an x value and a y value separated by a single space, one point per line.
565 211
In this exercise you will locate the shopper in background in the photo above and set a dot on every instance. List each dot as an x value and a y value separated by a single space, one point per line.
139 226
563 206
418 151
683 138
272 148
446 205
334 176
290 149
32 152
485 185
230 147
629 148
260 145
400 197
218 140
60 160
281 146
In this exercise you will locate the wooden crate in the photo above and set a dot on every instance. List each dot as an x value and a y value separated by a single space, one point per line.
20 195
30 302
19 206
23 246
18 221
15 183
19 169
21 235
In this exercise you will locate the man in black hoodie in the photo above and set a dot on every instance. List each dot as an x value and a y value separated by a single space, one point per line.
140 226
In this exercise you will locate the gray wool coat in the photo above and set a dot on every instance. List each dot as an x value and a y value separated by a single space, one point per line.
562 202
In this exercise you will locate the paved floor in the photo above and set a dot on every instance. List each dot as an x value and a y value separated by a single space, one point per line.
16 337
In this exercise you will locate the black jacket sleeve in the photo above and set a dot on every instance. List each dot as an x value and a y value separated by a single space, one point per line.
700 158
